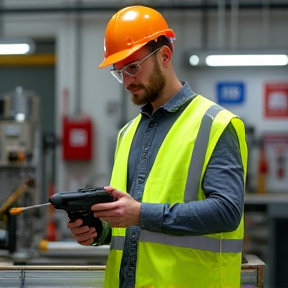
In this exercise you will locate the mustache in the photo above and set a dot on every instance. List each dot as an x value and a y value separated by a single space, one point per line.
132 87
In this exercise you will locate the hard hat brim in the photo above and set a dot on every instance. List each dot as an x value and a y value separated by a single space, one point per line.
119 56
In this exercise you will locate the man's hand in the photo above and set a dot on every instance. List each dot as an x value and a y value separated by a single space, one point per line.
123 213
83 235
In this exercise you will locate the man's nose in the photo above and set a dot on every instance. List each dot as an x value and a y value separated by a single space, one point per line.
127 80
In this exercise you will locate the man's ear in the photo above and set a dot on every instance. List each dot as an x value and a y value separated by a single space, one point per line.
166 55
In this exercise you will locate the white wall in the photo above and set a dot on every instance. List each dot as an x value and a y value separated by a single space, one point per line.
101 95
204 81
98 90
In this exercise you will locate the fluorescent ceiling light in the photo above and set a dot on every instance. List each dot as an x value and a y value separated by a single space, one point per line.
237 58
247 60
16 46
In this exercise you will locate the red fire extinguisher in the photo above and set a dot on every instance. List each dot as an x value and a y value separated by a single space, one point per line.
262 171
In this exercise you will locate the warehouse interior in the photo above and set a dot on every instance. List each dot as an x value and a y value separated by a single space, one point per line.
58 87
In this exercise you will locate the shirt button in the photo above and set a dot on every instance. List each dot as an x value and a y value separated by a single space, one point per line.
151 124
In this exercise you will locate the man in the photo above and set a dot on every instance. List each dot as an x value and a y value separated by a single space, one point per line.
179 171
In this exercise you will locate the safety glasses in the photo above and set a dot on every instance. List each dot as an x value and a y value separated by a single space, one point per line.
132 69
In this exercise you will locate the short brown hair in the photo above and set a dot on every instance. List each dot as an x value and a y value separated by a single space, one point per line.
159 42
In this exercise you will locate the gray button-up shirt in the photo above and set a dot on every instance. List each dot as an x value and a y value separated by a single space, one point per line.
223 184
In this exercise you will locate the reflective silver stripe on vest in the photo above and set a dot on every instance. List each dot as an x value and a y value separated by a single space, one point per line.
194 242
198 155
117 242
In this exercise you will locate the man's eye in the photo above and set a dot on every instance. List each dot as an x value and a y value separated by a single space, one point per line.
133 68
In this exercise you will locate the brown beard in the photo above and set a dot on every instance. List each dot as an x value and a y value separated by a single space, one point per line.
153 90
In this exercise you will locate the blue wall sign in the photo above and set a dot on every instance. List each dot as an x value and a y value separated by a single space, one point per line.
230 92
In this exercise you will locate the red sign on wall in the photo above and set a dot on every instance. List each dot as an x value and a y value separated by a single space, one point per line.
276 100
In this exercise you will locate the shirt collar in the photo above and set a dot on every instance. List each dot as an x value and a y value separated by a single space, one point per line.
181 97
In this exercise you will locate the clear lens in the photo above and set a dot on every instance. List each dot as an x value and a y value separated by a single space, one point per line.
131 69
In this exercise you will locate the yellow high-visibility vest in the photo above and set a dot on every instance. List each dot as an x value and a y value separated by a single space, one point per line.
167 261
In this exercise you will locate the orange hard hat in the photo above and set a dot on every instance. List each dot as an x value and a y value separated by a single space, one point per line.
130 29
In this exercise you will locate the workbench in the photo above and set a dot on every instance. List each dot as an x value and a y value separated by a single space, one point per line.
273 206
32 276
252 272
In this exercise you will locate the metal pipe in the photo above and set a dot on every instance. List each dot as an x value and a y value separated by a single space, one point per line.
266 23
221 24
1 22
109 8
78 64
204 25
29 182
234 24
54 267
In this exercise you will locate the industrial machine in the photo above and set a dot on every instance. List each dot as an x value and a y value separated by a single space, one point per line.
25 159
19 124
19 164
